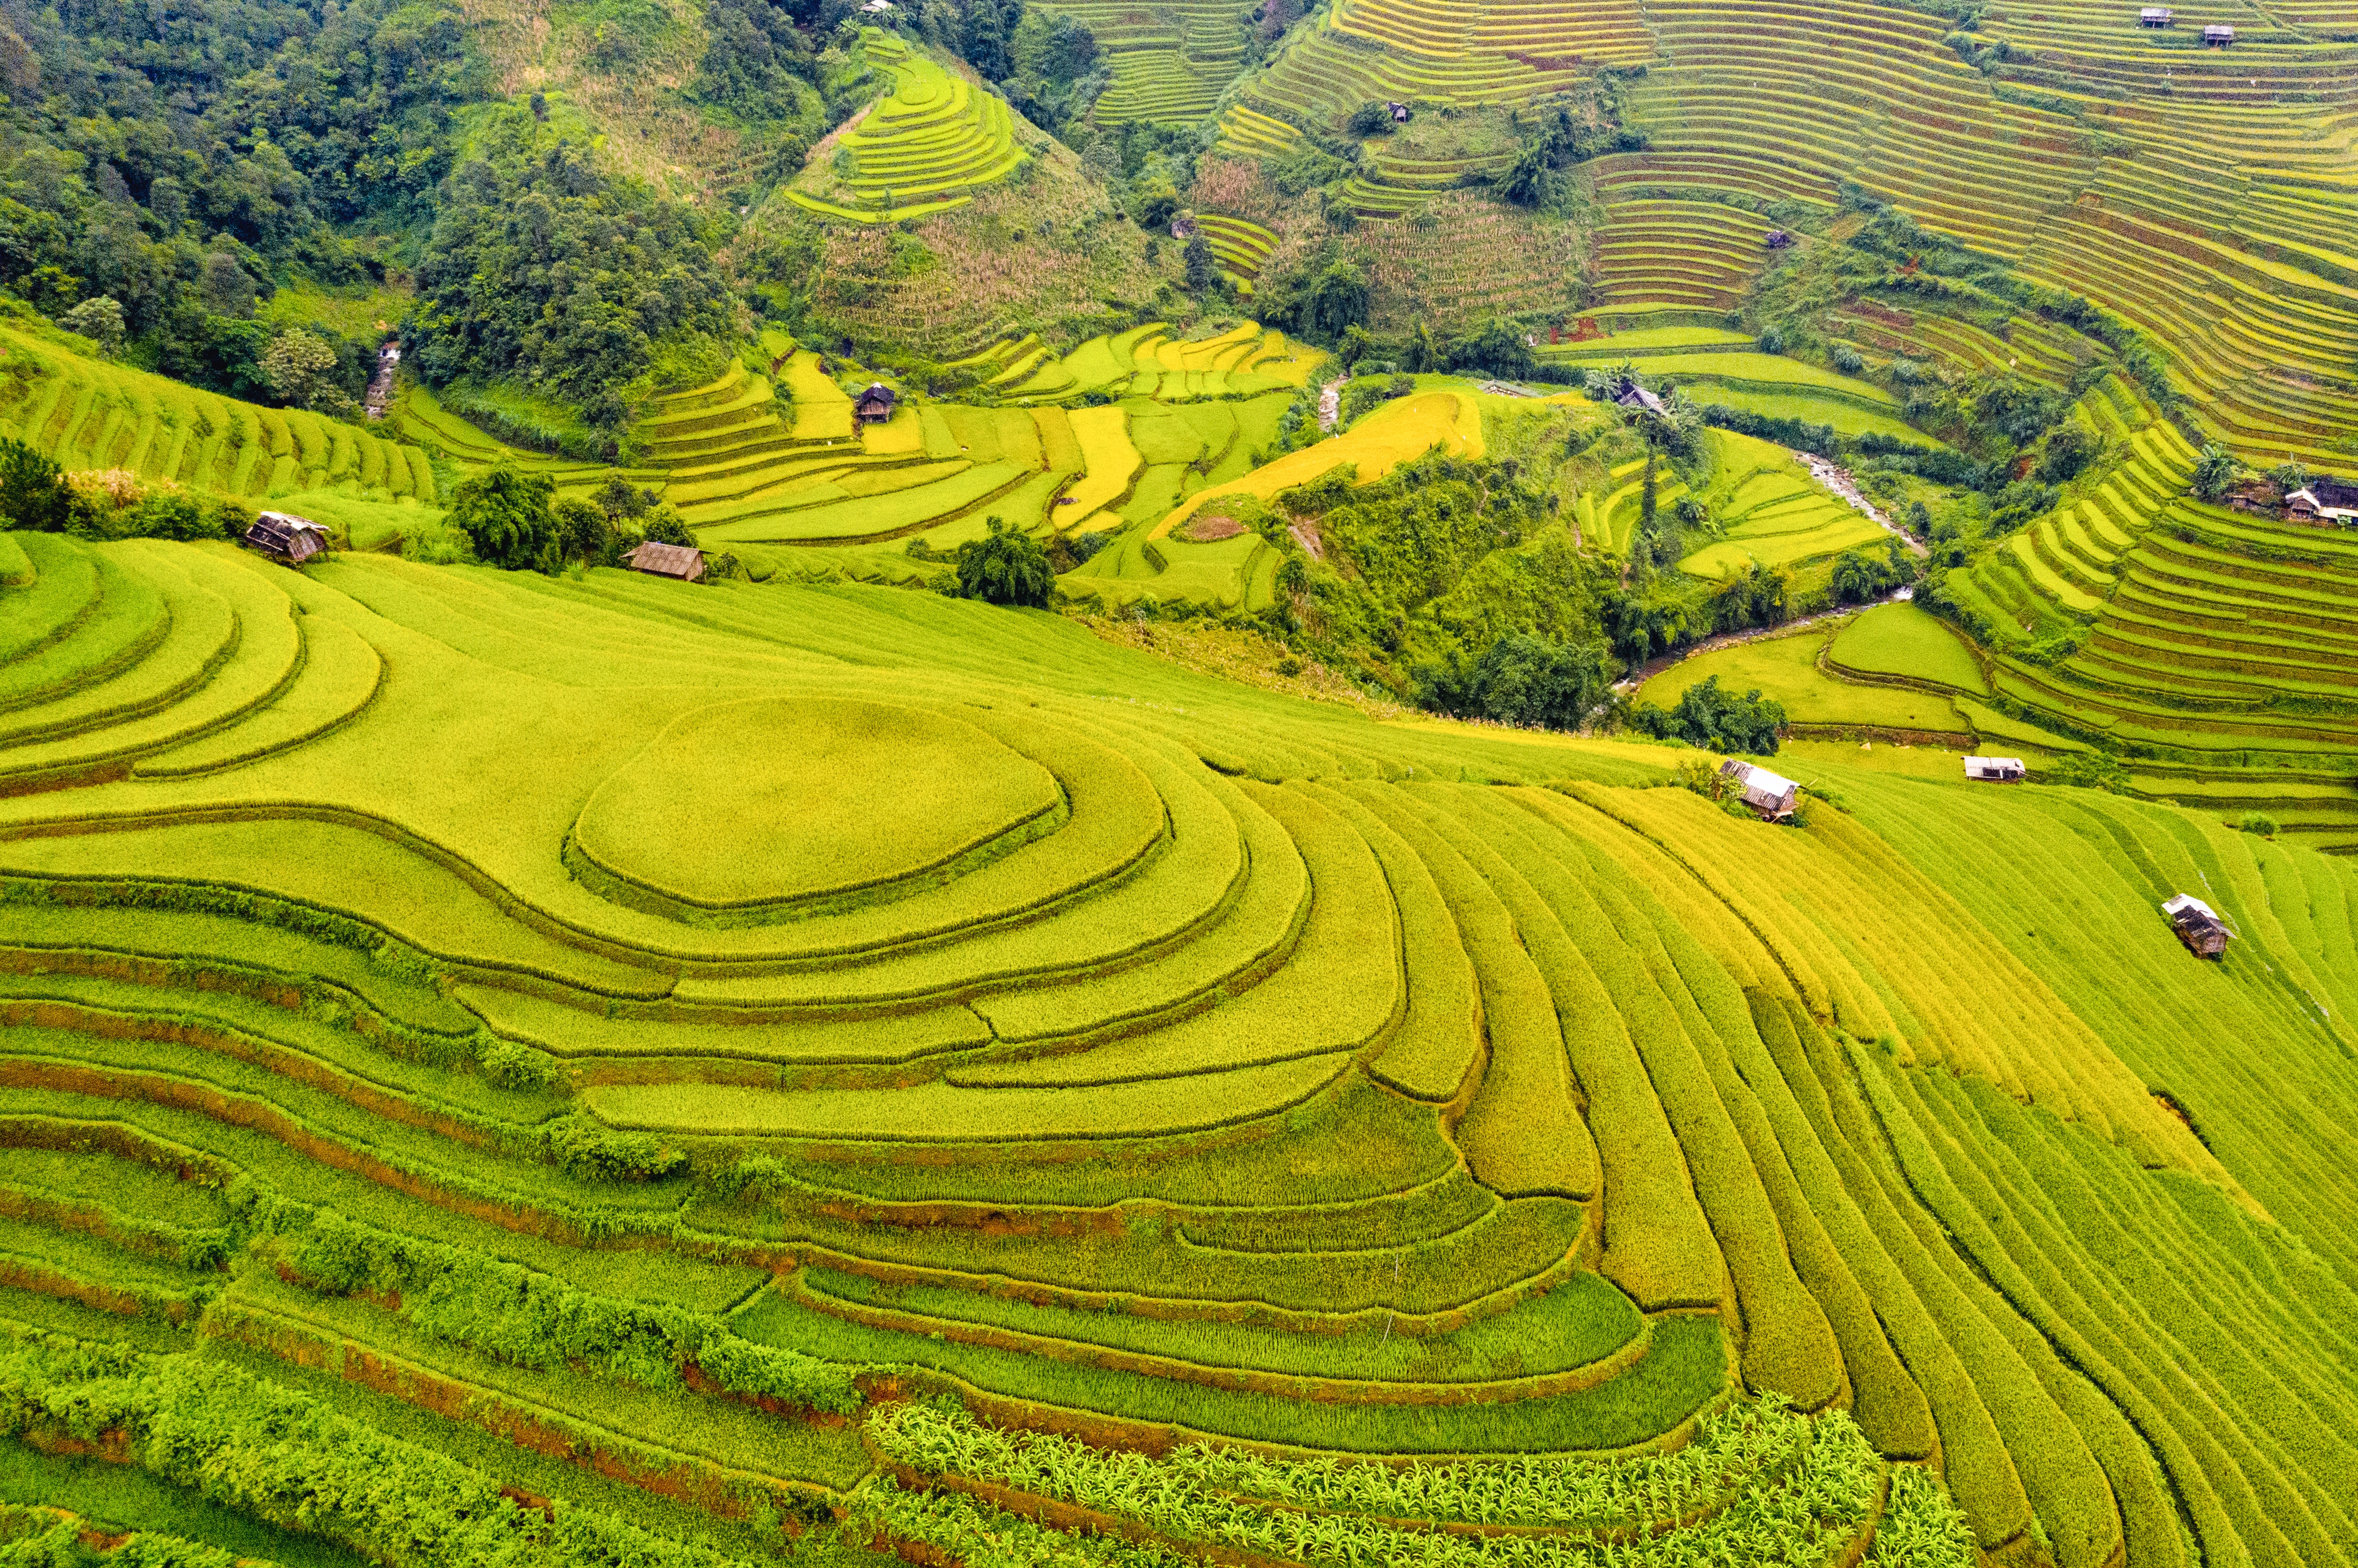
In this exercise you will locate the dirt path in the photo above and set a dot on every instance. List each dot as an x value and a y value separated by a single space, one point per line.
380 386
1330 402
1838 480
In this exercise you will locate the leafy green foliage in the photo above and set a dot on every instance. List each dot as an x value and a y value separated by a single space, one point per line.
1718 720
508 518
288 1458
544 268
1523 681
527 1318
1429 566
302 369
1007 565
2214 470
1331 1512
33 492
1859 577
180 172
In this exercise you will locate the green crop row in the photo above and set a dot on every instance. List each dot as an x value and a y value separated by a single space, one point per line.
1683 1369
1575 1325
1826 1499
529 1319
292 1461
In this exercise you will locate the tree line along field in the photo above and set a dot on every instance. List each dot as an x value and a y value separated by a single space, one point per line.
772 1071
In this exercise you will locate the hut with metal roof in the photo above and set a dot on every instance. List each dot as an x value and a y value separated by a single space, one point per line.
1996 769
2218 35
1632 397
2198 925
685 562
2155 16
1775 798
286 538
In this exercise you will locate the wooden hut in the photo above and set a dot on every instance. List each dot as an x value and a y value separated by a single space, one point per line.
875 405
2218 35
287 538
1996 769
685 562
2323 499
2155 16
1778 240
1772 795
1400 112
2198 925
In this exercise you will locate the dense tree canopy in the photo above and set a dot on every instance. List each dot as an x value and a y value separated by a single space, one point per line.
543 268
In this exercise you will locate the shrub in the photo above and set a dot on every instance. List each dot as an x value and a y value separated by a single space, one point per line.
1717 720
1007 567
33 492
116 504
1522 680
1846 360
508 519
2068 451
1772 342
2257 822
1372 119
2091 770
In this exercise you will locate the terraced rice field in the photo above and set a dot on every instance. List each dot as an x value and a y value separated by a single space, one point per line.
1764 509
1170 61
2207 643
773 469
664 1060
921 148
87 413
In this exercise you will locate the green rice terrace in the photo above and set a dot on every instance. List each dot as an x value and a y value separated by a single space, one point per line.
1037 783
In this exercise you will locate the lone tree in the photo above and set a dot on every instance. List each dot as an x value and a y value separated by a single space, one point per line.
1005 567
1203 267
301 370
2214 470
508 519
100 321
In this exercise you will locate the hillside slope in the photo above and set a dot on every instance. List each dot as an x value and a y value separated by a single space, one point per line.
576 1027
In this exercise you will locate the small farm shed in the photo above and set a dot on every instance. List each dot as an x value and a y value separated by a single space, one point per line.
2218 35
2155 16
1996 769
1400 112
2324 498
1778 240
875 405
682 561
285 537
1631 396
2198 925
1773 796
